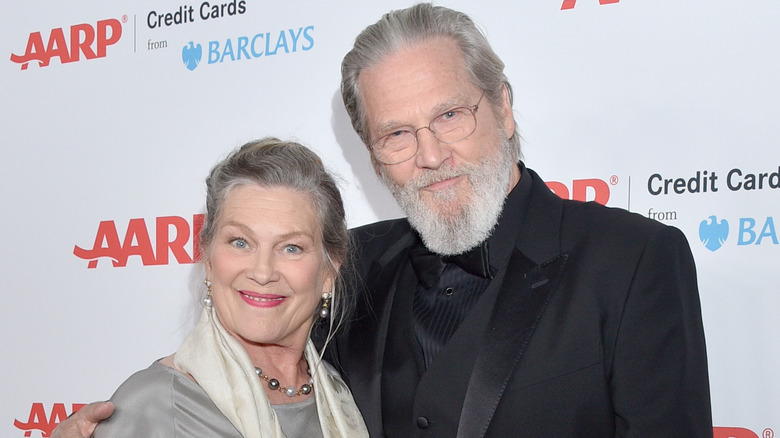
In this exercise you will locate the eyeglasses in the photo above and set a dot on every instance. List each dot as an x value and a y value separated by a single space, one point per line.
449 127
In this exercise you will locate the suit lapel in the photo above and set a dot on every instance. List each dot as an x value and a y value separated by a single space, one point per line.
365 351
532 276
528 287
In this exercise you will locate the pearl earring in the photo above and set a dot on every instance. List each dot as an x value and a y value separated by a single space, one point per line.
207 301
324 310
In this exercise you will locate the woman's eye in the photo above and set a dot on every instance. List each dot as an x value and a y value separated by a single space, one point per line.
239 243
293 249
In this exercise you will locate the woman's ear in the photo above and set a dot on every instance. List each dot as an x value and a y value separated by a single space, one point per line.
207 267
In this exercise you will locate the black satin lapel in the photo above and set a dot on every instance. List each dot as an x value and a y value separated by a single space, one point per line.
403 361
364 352
526 290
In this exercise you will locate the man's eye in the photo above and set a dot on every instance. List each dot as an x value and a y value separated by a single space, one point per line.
452 115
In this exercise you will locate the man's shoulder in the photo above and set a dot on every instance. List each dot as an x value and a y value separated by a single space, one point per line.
380 240
381 233
585 218
608 216
612 224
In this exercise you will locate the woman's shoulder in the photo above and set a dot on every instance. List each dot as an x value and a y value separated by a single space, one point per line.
156 373
151 384
142 401
161 401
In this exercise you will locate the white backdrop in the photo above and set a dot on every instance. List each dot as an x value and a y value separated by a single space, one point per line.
107 147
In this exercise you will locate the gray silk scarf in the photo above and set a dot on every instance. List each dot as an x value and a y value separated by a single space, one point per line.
221 366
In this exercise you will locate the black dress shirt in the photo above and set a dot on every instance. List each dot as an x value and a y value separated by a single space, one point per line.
439 307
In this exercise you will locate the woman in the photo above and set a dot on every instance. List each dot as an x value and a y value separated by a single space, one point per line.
273 241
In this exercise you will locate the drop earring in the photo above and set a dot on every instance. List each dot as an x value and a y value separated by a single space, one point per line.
207 301
324 310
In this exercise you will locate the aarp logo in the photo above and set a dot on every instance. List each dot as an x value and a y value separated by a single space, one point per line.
85 39
172 235
589 189
44 422
569 4
740 432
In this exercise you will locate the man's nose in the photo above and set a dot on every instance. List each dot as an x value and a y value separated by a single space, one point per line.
431 152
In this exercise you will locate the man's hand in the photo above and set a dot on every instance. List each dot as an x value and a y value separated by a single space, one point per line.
83 423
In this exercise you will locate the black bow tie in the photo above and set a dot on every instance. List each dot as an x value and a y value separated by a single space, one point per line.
429 266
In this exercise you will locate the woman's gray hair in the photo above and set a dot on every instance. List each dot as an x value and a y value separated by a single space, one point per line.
406 27
270 162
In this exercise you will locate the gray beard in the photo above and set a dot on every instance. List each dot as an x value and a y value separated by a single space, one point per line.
450 226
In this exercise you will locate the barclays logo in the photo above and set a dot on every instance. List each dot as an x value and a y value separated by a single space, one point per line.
713 234
191 55
750 231
244 48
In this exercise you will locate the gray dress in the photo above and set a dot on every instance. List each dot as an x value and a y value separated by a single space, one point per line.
163 402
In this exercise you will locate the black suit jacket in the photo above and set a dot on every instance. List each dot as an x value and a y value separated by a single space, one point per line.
596 331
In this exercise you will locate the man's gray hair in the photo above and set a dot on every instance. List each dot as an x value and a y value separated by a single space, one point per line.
406 27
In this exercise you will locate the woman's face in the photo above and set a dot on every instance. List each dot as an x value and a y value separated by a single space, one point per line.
266 265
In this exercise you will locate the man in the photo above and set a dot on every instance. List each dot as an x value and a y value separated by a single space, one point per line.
497 309
581 320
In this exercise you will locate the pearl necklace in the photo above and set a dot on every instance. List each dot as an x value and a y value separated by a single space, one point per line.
306 388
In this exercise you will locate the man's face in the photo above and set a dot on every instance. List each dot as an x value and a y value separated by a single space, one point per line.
452 193
413 86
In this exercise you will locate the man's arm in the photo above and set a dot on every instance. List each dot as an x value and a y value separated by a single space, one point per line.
83 423
660 385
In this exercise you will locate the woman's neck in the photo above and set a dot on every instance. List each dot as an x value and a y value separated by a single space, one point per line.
286 365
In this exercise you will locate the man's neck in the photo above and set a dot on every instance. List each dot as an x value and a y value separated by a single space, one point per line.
514 178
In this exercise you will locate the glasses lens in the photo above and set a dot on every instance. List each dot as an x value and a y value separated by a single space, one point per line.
454 125
450 127
395 147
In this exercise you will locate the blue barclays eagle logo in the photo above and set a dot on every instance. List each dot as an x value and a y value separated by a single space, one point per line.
713 234
191 55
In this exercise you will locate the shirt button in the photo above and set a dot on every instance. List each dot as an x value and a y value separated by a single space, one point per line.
448 291
422 422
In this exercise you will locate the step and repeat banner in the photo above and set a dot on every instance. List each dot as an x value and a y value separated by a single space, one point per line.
114 112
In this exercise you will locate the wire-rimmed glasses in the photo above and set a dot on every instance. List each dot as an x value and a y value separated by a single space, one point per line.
449 127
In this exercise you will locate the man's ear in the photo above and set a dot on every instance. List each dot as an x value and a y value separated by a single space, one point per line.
506 113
